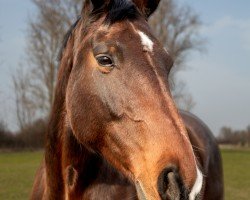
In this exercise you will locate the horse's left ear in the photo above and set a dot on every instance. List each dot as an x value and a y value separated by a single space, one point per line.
147 7
90 6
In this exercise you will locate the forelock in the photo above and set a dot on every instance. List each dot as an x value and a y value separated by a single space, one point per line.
119 10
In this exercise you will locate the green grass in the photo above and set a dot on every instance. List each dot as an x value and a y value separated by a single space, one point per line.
236 174
17 172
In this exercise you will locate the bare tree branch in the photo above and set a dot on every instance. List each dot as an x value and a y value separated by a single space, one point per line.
25 108
34 88
178 30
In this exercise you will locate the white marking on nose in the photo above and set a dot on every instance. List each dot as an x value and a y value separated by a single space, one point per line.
197 186
146 42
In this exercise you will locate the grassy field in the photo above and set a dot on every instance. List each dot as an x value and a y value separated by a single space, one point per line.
236 174
17 172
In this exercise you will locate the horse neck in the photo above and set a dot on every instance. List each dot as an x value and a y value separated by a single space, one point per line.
83 168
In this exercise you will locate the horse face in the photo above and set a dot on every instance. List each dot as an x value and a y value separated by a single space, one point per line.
118 104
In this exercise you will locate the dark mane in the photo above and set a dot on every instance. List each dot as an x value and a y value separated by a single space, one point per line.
66 38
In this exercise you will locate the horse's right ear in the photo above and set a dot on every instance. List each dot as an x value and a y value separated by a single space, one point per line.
147 7
90 6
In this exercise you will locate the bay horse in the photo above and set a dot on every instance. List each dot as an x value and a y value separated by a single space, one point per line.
114 130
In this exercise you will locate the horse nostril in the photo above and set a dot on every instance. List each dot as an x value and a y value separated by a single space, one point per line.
170 185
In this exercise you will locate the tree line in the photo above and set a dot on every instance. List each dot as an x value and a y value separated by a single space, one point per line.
234 137
30 137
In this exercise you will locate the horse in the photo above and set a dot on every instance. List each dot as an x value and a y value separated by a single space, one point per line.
114 131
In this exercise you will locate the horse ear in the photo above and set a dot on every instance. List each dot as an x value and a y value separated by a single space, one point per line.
97 4
147 7
90 6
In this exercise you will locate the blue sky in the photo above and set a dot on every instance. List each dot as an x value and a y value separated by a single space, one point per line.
13 20
219 79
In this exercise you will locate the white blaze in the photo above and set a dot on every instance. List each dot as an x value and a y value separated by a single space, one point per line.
146 42
197 186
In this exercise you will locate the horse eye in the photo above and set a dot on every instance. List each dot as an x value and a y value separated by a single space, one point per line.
104 61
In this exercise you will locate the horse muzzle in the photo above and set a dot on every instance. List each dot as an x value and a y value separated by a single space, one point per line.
170 186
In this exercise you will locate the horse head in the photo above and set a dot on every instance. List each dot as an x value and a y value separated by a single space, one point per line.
118 102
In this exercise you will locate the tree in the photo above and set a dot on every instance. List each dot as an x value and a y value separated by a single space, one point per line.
226 134
25 107
248 135
45 35
181 96
178 29
235 137
3 127
6 138
34 85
